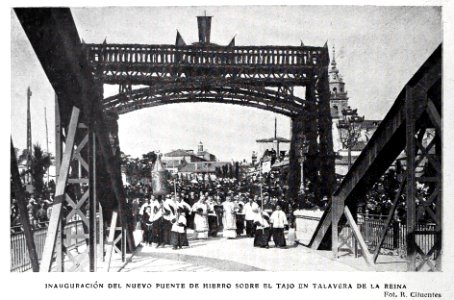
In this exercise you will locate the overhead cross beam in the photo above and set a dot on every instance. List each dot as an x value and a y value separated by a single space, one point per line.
263 98
152 64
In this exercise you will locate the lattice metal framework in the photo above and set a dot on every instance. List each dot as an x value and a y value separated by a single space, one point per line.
414 117
256 76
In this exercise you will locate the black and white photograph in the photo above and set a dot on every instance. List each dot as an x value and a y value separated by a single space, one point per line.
227 138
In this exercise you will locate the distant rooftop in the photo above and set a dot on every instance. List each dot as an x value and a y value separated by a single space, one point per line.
202 167
178 152
271 140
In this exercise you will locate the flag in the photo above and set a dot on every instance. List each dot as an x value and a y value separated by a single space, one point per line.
232 42
204 24
159 179
179 41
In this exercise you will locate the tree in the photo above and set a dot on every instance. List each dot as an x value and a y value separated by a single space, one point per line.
39 164
137 169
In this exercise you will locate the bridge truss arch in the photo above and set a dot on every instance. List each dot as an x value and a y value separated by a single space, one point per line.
277 101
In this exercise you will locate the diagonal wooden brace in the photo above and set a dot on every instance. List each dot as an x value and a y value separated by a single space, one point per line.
358 236
55 217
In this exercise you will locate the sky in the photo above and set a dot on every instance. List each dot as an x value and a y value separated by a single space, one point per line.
378 49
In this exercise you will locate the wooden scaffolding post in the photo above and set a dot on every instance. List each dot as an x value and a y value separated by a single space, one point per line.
411 182
101 233
336 212
55 218
123 243
358 236
111 239
23 214
58 154
92 199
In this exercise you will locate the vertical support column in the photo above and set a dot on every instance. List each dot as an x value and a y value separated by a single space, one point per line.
114 168
310 129
92 199
327 169
337 210
123 244
111 238
55 218
411 180
59 266
439 203
101 233
294 173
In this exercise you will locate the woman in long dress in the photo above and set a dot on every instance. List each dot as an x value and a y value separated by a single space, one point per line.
200 208
229 219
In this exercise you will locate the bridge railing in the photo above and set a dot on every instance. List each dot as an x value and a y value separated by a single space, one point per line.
207 55
372 225
20 260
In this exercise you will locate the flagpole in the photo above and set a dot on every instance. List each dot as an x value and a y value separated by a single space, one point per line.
47 143
175 187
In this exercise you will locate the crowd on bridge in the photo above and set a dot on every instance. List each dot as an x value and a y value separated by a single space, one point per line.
38 209
164 220
210 205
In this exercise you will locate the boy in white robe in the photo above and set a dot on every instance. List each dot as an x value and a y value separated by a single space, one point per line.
178 233
278 220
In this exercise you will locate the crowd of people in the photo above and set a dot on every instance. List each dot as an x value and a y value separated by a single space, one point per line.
38 210
208 205
165 219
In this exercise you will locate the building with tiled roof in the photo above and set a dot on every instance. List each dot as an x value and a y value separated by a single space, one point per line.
204 154
175 158
201 167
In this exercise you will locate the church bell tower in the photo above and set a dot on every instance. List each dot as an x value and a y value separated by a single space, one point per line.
338 94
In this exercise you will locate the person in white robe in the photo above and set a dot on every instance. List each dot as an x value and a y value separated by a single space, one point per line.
170 214
262 232
178 233
251 209
278 220
184 205
229 219
200 209
212 217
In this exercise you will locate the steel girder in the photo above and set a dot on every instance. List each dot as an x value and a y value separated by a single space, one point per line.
263 98
417 107
253 65
263 77
53 35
